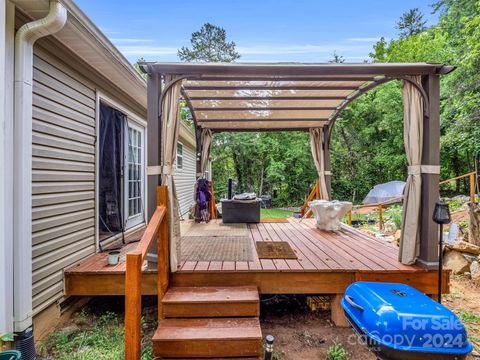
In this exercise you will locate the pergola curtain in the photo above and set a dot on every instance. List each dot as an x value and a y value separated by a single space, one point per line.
168 151
205 150
413 139
317 147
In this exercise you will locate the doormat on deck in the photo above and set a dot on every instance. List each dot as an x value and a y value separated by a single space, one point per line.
216 248
275 250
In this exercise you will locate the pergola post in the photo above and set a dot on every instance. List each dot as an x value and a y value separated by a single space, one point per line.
326 160
430 182
153 141
198 150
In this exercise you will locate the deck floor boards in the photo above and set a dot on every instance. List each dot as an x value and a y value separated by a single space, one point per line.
318 251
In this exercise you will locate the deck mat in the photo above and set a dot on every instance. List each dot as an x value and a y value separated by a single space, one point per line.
216 248
216 229
275 250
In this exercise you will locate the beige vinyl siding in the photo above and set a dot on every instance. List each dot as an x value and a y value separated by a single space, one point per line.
63 174
185 179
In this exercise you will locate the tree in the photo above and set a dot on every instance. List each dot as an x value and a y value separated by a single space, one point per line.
137 67
379 53
337 58
209 44
411 23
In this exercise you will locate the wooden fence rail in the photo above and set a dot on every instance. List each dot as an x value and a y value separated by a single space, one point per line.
472 176
157 228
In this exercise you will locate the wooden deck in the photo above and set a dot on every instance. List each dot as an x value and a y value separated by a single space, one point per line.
327 263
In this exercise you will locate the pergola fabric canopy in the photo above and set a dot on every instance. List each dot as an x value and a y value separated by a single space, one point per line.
253 97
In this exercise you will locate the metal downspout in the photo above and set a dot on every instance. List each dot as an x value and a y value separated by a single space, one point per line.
22 191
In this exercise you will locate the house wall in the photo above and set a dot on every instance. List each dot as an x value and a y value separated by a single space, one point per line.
185 178
66 94
63 174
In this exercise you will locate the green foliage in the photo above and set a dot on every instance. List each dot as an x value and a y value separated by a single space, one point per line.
469 317
104 339
209 44
136 66
337 352
275 214
411 23
7 337
275 163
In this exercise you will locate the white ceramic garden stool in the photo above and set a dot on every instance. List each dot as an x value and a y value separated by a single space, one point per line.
329 213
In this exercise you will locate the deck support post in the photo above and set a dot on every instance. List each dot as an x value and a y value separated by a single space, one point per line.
326 157
430 182
338 316
153 141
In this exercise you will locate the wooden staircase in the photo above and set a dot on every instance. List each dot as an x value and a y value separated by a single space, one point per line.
209 322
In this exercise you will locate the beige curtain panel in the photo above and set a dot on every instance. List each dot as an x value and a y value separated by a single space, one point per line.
170 129
413 139
205 152
316 145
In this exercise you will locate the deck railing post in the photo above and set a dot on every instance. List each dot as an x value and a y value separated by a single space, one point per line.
350 217
163 267
380 216
133 306
472 188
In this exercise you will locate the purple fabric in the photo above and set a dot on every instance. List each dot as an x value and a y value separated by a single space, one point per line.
203 196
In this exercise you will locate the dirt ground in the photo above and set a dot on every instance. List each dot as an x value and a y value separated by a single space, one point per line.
301 334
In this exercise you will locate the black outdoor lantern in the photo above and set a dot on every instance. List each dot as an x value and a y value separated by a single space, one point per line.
441 215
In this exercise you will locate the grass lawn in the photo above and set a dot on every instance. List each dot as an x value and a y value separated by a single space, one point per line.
275 214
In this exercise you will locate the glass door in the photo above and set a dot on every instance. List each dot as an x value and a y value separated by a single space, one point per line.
134 176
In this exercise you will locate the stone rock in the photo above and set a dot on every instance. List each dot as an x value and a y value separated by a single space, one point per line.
329 213
389 228
453 234
465 247
474 270
470 258
455 261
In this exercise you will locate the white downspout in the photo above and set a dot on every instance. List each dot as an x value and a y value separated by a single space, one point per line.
22 192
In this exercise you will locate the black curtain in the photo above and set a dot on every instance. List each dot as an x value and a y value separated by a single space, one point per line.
111 144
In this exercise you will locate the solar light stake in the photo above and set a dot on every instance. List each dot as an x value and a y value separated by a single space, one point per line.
268 347
441 215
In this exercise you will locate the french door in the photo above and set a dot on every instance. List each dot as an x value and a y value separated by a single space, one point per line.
134 177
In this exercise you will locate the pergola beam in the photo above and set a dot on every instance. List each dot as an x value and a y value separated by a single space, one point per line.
258 108
273 97
285 78
231 120
269 87
296 69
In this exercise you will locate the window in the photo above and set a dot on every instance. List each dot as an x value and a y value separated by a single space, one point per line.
179 163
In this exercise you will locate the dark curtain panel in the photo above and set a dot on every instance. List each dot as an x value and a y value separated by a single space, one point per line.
111 137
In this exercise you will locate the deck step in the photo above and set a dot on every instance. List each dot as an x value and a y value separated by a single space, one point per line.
208 338
195 302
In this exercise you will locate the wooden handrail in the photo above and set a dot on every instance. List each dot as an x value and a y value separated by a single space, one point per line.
157 228
458 177
472 176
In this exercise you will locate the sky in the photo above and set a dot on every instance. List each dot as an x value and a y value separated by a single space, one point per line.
263 30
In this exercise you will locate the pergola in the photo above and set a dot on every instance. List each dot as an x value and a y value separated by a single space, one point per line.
299 97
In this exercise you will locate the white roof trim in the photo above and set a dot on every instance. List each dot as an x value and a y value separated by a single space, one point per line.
85 39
